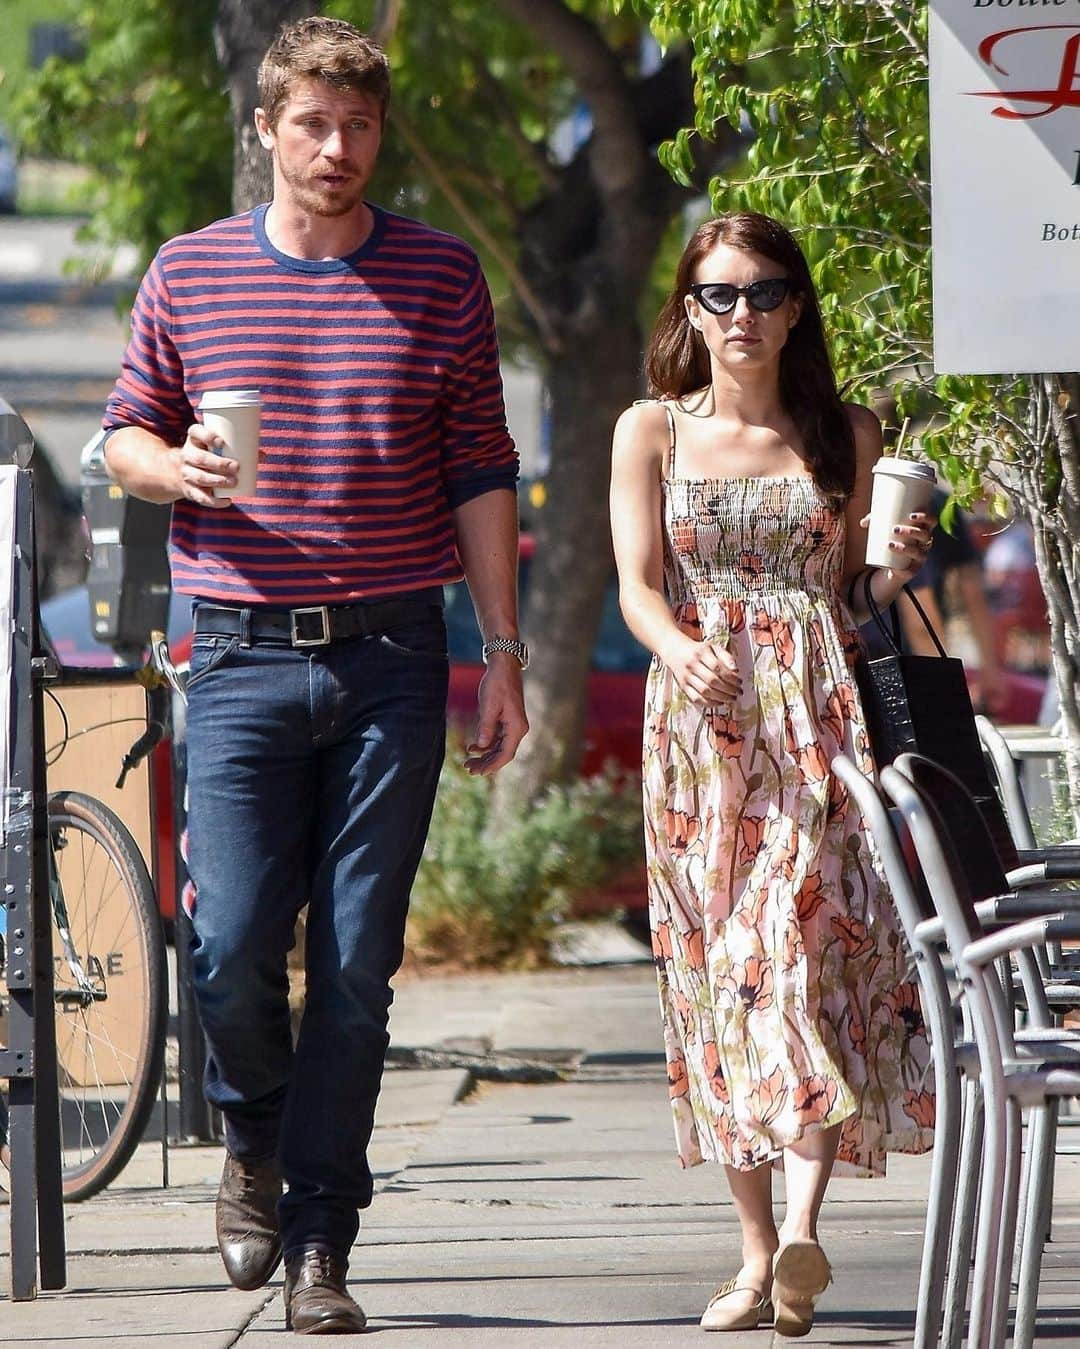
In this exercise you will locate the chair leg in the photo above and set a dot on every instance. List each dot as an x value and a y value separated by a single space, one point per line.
945 1166
988 1234
999 1316
1042 1135
1024 1210
967 1198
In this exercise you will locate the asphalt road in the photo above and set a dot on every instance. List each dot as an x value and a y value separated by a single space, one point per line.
61 335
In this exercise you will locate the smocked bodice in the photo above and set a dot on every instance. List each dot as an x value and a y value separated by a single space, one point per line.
740 538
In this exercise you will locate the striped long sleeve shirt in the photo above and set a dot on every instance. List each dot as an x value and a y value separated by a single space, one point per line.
382 406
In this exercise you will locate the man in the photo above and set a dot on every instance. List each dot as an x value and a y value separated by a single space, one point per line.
318 679
955 559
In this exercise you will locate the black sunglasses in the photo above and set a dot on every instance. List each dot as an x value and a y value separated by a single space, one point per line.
718 297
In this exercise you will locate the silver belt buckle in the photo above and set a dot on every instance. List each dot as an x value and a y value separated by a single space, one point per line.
324 620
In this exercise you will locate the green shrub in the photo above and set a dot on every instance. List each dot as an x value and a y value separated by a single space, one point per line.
1053 822
487 897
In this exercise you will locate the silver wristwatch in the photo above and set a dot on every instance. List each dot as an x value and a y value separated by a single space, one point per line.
517 649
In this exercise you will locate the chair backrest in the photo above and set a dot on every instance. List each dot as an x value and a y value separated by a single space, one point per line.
936 845
997 826
964 823
975 875
906 881
910 896
1006 779
947 884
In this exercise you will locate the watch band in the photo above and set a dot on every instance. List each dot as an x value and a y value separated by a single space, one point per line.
517 649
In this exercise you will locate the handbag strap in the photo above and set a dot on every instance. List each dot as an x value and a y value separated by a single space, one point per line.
893 637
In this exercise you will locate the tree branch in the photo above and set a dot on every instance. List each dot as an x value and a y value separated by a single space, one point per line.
532 303
1063 421
385 21
510 121
619 157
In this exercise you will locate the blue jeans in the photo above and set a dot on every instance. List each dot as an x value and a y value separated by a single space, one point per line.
311 778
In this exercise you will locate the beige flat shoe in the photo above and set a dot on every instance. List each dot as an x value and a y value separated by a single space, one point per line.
800 1275
717 1316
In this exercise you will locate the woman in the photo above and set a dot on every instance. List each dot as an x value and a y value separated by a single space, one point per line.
738 505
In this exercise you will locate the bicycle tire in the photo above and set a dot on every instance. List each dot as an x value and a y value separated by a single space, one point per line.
110 1054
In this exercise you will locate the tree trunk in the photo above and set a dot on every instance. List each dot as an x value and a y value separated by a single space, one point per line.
1061 584
1041 475
572 564
242 33
1055 530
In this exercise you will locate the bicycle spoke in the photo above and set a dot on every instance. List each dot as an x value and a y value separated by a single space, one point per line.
110 1045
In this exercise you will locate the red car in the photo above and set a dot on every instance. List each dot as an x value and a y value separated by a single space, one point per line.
616 690
616 682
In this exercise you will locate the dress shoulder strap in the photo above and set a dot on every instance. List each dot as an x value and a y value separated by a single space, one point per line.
667 468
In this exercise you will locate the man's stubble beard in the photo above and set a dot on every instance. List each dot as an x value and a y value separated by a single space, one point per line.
318 201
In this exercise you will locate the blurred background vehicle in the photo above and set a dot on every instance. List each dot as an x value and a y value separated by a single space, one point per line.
616 680
616 688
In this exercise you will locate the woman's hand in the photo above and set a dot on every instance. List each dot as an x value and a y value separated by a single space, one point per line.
910 543
707 674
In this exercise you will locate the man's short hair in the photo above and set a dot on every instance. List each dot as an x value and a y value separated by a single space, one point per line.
322 49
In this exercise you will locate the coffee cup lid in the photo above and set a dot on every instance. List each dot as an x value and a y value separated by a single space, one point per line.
905 468
229 398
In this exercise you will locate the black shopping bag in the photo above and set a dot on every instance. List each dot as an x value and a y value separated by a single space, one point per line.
920 704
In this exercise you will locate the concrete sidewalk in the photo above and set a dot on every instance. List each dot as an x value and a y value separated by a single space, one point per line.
543 1211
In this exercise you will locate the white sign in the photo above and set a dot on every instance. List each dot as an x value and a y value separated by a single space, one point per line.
1005 177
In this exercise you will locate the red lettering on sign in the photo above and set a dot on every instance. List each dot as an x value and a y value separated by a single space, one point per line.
1064 94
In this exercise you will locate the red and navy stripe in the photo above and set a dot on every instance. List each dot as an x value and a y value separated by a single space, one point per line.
382 405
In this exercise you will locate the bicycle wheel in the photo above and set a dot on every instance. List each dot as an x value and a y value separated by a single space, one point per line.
111 999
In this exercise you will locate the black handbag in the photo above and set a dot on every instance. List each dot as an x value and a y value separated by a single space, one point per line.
919 704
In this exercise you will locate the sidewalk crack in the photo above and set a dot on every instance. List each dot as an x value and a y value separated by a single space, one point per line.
247 1324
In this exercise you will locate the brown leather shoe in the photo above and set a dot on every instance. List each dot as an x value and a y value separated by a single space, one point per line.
247 1223
316 1299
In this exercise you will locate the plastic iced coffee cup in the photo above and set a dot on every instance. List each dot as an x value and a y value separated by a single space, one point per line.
233 414
901 487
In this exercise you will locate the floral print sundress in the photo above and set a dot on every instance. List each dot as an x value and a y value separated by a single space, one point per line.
786 990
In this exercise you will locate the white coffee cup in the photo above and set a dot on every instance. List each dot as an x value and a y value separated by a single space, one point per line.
901 487
233 414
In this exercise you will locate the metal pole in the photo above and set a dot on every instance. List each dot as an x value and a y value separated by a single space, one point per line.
37 1219
195 1122
47 1121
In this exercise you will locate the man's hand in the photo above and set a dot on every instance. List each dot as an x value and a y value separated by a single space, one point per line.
199 468
993 689
502 724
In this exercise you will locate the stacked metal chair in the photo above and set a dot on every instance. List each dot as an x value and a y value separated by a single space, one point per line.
983 1068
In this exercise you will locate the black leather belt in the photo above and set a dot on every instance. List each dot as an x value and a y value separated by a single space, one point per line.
312 625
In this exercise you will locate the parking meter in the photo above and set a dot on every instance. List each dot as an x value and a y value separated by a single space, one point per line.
128 580
16 438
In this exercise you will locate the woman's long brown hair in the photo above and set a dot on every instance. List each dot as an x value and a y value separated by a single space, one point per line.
677 359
